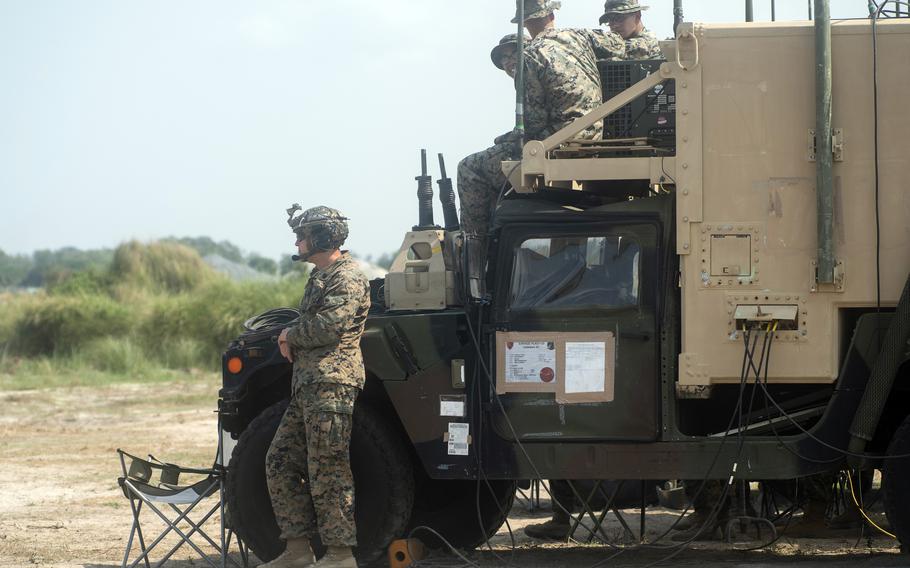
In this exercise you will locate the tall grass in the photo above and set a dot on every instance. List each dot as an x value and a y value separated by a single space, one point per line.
158 307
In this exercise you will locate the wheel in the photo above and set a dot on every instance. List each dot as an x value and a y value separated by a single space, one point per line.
383 485
449 507
896 485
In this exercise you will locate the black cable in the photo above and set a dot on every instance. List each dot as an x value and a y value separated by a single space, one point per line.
483 475
878 259
715 510
737 413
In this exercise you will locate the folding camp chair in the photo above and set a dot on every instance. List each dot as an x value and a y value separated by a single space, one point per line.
156 485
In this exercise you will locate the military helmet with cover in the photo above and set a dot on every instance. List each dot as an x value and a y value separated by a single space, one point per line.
612 7
538 9
327 228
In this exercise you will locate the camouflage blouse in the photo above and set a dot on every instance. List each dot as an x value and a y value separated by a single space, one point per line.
562 82
326 339
644 45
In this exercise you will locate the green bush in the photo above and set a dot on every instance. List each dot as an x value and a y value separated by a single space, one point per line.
214 314
162 266
60 324
159 306
87 282
112 354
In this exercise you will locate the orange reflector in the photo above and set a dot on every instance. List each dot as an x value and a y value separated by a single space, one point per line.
404 552
235 365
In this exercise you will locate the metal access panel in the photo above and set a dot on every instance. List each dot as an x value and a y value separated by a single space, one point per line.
651 116
746 197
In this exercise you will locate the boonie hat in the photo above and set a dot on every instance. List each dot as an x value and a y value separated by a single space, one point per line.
621 7
538 9
510 40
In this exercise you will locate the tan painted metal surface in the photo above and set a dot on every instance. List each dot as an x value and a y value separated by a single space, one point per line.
756 185
745 173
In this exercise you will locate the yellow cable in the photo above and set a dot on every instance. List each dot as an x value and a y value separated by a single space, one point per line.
862 512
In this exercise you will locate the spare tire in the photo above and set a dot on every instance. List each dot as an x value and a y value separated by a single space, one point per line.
451 508
383 485
896 485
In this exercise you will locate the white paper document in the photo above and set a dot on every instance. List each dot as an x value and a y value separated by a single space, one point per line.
451 407
530 362
458 438
585 368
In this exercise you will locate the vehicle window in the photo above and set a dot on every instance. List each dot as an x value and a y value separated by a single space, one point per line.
563 272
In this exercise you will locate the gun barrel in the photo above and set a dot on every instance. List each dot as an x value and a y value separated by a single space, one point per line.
447 198
442 167
424 196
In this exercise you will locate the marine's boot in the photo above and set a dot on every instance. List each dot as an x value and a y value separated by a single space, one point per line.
297 554
849 518
337 557
693 519
556 528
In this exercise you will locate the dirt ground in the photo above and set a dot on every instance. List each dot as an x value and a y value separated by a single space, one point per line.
60 504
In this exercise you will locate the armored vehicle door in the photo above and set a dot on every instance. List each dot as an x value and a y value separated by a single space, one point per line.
576 352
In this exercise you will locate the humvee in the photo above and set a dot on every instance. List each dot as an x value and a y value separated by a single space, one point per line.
716 290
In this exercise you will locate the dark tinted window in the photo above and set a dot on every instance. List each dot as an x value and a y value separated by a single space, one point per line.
569 272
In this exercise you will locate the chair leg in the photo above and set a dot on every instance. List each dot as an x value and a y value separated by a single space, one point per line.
224 548
186 538
129 542
172 525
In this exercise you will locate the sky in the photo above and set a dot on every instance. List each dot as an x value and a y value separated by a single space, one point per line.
143 119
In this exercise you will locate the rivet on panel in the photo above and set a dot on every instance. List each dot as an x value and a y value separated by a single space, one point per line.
686 246
685 219
685 166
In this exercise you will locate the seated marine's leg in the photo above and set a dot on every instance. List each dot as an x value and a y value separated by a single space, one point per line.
480 180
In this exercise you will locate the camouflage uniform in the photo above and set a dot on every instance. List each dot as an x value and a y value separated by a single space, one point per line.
562 83
312 444
643 45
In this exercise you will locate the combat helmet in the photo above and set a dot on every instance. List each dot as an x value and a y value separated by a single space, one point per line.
327 228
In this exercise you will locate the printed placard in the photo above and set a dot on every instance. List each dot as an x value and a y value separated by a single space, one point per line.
451 405
585 366
458 438
530 362
578 367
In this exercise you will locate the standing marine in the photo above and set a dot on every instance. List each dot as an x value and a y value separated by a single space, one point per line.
624 18
308 463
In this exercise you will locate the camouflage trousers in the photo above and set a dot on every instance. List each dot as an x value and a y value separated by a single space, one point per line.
308 465
480 179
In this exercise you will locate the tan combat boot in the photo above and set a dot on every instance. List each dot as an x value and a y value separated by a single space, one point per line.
337 557
297 554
